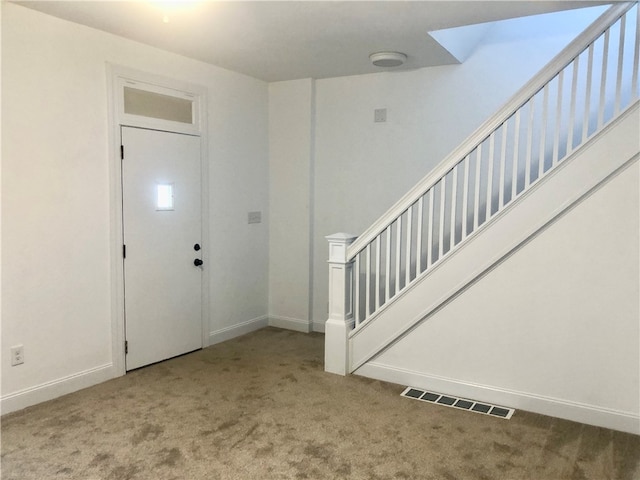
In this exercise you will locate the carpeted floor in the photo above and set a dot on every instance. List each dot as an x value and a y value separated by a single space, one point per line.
261 407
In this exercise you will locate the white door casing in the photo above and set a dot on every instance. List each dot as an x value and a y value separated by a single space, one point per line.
163 286
118 77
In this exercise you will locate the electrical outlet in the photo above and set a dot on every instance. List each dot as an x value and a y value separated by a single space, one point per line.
17 355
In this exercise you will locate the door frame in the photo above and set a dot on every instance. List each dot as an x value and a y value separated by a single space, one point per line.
117 78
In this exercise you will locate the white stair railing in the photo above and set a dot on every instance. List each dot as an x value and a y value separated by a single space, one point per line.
591 82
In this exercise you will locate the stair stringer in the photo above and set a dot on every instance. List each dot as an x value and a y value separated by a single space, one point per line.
605 153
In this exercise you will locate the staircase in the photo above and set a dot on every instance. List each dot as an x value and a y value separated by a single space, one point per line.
572 128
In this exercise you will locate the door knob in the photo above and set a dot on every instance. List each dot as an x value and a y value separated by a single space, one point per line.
197 262
196 247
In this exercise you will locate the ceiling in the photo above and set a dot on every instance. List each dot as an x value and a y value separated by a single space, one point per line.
285 40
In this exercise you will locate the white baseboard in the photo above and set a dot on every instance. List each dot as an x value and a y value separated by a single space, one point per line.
554 407
319 326
290 323
56 388
234 331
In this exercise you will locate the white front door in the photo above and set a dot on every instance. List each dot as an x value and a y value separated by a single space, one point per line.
161 185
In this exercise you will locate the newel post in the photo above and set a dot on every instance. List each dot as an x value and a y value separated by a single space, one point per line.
340 321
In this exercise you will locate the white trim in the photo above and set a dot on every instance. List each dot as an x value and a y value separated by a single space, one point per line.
117 119
319 326
115 229
289 323
311 199
56 388
227 333
555 407
123 76
206 238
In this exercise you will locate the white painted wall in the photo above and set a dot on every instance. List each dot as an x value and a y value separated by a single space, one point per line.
290 179
362 167
554 328
340 172
56 289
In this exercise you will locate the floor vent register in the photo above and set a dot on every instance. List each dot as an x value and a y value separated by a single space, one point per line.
461 403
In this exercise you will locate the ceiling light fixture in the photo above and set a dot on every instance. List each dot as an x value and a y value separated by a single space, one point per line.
388 59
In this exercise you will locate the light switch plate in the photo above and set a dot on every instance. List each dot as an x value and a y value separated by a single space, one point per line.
380 115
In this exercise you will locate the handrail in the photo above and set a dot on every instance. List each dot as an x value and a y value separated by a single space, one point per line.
557 64
585 88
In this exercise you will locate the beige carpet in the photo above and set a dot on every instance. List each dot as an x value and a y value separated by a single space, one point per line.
261 407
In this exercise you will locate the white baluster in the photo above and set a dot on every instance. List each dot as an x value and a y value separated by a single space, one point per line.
465 196
443 191
543 130
623 23
398 248
356 289
407 272
529 152
556 138
492 141
367 282
387 270
503 159
377 277
603 78
430 230
516 153
476 188
419 237
587 100
636 57
454 195
572 108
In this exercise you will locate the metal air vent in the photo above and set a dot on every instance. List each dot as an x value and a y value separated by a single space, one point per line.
461 403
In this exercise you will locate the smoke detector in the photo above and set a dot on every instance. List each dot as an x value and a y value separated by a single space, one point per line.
388 59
